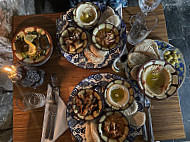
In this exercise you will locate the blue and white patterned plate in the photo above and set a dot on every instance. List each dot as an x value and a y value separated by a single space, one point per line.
78 126
180 67
80 59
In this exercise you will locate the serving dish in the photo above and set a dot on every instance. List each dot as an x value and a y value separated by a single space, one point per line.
119 95
113 126
32 46
78 126
85 59
162 47
158 79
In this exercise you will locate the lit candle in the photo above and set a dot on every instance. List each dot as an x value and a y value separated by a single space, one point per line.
12 73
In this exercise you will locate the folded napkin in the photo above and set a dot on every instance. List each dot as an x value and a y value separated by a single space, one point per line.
60 123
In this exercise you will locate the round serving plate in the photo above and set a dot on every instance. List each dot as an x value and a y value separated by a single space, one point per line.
180 66
47 55
78 126
80 59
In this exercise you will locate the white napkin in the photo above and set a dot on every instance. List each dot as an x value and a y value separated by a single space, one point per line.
60 123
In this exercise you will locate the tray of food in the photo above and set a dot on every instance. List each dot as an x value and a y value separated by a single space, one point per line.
91 35
97 105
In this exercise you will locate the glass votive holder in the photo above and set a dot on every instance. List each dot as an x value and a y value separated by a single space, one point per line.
30 100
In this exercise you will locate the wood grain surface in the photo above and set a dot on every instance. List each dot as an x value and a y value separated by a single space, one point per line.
27 126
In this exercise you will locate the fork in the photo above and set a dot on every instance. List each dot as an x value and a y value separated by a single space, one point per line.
147 105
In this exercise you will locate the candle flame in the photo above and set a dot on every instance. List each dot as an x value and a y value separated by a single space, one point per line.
8 69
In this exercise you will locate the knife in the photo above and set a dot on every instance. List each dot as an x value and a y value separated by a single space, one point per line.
54 105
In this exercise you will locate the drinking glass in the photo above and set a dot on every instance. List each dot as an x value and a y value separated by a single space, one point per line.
142 25
148 5
30 101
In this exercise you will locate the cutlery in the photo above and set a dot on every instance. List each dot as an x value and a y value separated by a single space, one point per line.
53 104
147 105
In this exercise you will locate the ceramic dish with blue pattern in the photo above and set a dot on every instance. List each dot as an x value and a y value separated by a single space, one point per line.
77 126
81 59
162 47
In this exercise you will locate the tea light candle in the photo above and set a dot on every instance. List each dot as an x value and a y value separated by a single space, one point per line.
13 74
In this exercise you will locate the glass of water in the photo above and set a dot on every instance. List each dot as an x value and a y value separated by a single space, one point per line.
149 5
142 25
30 101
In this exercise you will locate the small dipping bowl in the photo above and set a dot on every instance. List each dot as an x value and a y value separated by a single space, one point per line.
158 79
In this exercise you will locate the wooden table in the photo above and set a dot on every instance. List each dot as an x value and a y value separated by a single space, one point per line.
27 126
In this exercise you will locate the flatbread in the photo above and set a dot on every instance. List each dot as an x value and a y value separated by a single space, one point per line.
139 119
92 57
132 109
137 58
106 14
94 131
88 132
134 72
148 47
97 52
114 19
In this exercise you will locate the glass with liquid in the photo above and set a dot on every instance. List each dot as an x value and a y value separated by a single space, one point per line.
149 5
142 25
30 101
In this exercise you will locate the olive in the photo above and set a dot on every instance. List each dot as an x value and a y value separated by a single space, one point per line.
44 42
167 53
178 56
169 57
174 51
174 56
176 60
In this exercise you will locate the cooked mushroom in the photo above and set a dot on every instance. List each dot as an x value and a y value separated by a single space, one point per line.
87 102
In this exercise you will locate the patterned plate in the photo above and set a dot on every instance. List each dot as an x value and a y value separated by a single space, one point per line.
78 126
80 59
180 67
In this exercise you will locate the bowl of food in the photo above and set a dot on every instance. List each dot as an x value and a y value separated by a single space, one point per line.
119 95
73 40
105 36
113 126
87 104
86 15
158 79
32 46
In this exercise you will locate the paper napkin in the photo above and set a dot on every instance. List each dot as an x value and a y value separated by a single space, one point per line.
60 123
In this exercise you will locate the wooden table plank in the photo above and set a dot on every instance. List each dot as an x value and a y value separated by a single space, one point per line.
27 126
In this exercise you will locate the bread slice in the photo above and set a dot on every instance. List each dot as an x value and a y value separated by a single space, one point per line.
132 109
114 19
92 57
148 47
106 14
97 52
94 131
139 118
134 72
137 58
